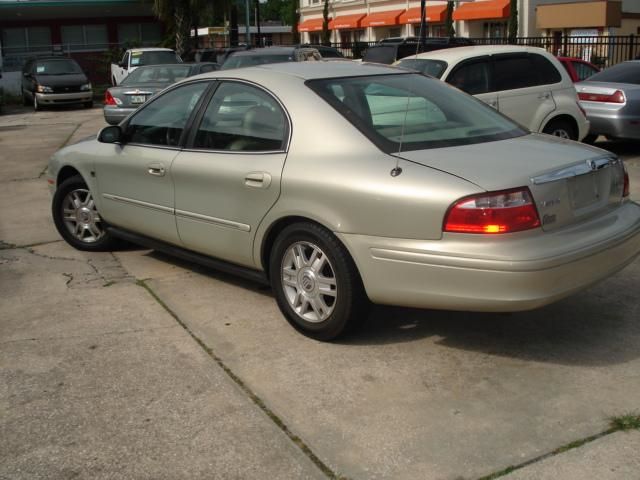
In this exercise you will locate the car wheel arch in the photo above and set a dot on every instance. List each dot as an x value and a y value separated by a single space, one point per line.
68 172
277 226
563 117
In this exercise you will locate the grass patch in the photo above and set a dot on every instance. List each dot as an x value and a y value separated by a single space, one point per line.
630 421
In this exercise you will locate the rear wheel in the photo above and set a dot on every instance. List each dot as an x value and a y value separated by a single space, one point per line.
591 138
315 282
561 128
77 219
88 104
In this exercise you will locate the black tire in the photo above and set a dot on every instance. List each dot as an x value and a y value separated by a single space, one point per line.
88 104
350 303
590 138
36 105
561 128
91 243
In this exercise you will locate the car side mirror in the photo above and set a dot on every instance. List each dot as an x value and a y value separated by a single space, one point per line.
110 134
122 65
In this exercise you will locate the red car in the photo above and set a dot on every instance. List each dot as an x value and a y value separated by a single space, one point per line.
578 69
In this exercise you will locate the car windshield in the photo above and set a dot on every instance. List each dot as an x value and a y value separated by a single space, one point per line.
156 74
401 112
238 61
57 67
435 68
159 57
628 72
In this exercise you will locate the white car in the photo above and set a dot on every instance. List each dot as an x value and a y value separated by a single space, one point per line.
138 57
527 84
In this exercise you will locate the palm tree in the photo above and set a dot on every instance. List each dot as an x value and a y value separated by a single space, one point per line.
448 22
176 15
513 21
326 34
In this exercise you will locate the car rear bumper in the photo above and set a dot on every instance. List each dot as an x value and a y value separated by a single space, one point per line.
114 115
466 272
63 98
611 122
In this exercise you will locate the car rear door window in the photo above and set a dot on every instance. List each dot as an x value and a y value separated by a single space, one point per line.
242 117
546 72
514 71
162 121
471 77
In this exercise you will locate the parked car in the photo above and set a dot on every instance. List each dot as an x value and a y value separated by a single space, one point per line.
424 197
50 81
260 56
139 57
525 83
325 51
611 99
577 68
392 49
141 85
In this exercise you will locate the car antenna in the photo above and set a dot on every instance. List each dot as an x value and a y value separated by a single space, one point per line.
397 170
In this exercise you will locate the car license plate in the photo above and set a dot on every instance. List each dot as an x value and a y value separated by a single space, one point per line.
138 98
584 190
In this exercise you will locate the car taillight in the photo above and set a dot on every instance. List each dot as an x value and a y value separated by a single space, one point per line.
626 189
108 98
615 97
494 212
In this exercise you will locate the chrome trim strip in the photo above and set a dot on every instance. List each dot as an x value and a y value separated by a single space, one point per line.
216 221
582 168
138 203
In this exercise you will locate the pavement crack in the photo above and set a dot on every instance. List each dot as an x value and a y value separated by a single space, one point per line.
617 424
306 450
69 278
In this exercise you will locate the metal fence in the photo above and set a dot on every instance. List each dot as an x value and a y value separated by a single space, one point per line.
603 51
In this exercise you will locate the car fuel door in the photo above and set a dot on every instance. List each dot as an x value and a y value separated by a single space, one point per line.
228 177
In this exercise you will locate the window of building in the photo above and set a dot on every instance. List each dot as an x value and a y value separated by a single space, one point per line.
495 29
139 33
82 37
26 39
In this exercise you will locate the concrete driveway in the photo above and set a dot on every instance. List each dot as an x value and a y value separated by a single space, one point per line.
136 365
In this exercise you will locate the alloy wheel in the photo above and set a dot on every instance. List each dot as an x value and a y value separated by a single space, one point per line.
309 281
81 217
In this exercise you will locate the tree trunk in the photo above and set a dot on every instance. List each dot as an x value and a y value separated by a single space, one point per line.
513 21
233 26
326 33
183 26
448 22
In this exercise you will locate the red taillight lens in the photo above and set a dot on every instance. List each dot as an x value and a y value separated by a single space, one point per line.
615 97
626 190
495 212
108 98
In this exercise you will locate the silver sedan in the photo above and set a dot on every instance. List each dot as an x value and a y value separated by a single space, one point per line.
611 99
341 184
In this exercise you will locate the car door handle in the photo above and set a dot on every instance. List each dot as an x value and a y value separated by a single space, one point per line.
155 169
257 180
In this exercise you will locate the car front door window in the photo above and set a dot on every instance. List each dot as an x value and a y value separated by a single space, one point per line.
162 121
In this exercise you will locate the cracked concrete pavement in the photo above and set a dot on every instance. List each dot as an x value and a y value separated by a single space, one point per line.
98 379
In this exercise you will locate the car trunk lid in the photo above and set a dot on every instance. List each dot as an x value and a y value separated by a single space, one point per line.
132 97
569 182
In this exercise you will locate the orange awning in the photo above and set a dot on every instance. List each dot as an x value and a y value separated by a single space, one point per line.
311 25
482 10
435 14
346 21
378 19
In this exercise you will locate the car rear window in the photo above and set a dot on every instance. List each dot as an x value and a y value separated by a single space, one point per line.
239 61
156 74
412 112
435 68
628 72
138 59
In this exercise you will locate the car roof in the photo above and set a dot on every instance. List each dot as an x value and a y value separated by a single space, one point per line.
151 49
269 51
306 70
461 53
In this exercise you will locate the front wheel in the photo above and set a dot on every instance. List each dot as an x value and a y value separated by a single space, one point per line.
315 282
77 219
36 104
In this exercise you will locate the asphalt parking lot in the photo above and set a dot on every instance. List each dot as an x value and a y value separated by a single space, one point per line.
135 365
